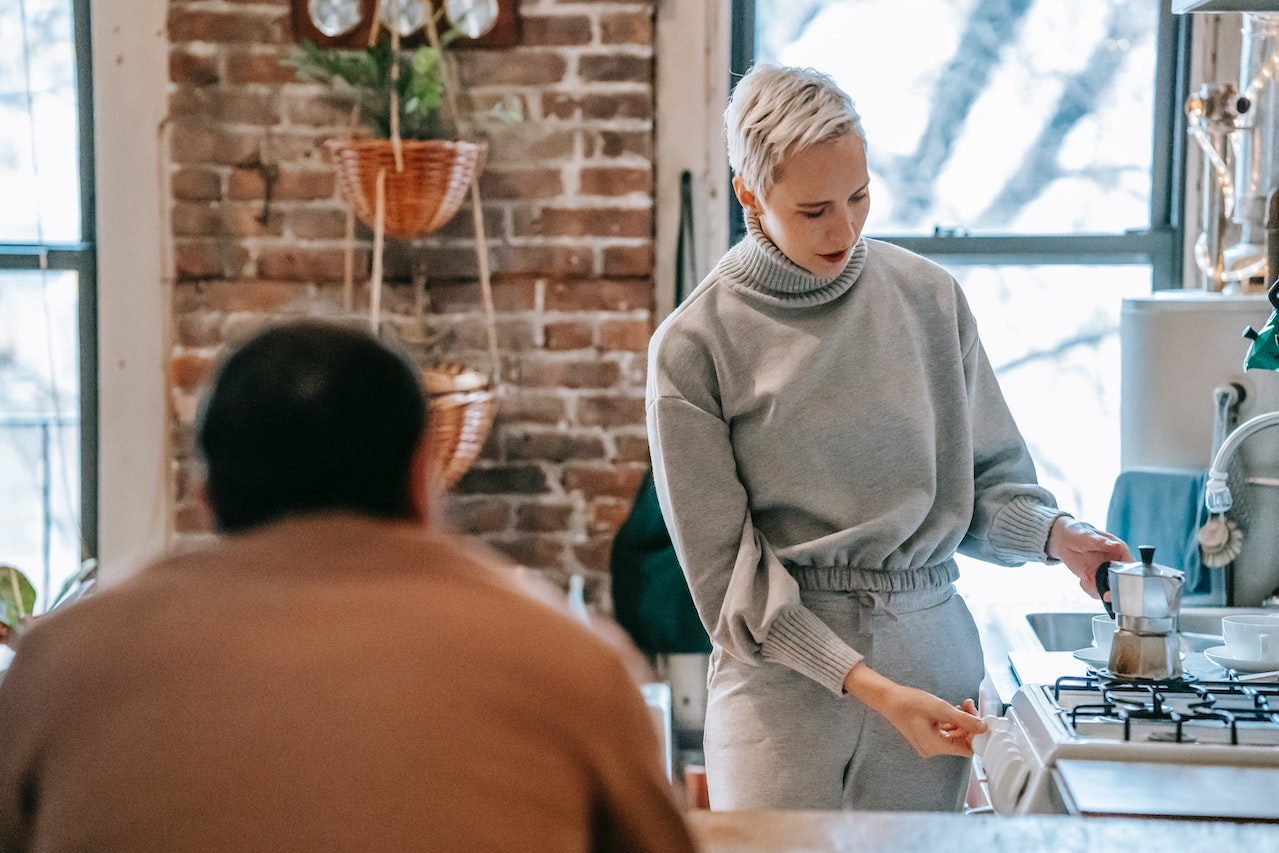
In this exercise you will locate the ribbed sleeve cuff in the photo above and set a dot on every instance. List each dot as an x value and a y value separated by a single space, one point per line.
806 644
1020 531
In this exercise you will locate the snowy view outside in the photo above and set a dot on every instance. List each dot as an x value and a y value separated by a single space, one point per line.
39 359
1008 117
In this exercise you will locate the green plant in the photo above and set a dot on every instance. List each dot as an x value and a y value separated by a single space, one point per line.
17 600
367 78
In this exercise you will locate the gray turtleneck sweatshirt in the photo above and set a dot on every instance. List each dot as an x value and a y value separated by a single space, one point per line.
838 434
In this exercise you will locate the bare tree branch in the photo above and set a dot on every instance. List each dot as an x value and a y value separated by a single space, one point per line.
992 25
1041 164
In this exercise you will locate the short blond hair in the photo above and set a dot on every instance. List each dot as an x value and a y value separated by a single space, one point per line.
777 110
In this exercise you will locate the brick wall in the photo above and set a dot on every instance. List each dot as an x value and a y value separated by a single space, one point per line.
568 207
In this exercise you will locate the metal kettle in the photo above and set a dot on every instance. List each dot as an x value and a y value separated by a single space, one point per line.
1145 599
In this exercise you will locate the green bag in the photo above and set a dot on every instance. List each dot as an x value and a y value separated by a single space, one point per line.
651 600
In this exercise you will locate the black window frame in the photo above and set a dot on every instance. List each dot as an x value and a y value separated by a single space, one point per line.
1161 246
80 258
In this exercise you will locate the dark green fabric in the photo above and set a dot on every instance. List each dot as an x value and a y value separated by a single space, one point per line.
650 596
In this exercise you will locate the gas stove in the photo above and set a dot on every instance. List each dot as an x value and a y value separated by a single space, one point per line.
1134 733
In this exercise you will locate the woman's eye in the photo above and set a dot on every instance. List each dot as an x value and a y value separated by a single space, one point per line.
811 214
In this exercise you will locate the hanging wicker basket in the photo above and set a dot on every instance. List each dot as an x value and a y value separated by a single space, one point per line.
462 403
421 196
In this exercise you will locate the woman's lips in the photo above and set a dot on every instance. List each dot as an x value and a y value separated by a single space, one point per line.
834 256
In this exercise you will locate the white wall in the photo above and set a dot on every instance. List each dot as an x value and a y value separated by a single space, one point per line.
130 82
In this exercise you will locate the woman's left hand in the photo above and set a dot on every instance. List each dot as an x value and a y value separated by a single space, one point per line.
1083 548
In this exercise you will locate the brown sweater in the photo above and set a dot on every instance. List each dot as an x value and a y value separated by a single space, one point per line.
330 683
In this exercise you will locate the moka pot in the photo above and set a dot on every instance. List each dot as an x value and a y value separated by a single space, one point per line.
1145 598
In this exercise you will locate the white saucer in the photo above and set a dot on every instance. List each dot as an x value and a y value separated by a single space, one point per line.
1092 655
1222 658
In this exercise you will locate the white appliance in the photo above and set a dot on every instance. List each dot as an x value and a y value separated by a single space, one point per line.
1088 745
1178 348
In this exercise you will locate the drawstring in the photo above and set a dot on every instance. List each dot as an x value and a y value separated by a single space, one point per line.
874 601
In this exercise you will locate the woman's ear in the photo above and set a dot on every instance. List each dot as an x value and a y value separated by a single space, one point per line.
745 195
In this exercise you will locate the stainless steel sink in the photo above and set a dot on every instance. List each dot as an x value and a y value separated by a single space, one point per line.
1065 631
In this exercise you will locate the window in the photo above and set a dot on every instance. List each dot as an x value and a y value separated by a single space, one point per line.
47 404
1033 148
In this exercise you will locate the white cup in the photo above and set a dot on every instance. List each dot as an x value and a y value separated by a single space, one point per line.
1254 638
1103 632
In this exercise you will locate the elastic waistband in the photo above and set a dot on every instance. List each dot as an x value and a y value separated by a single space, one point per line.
851 579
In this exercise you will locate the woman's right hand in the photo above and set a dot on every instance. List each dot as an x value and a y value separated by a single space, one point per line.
930 725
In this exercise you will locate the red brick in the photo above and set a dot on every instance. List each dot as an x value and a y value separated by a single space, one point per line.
570 335
628 335
534 406
627 28
195 220
239 25
477 515
628 260
569 374
594 553
203 329
208 259
610 411
509 294
522 479
621 294
248 66
620 105
615 68
209 104
591 222
192 183
519 67
294 264
633 448
616 181
196 67
513 183
549 30
606 515
532 550
252 220
193 143
621 143
621 481
240 295
311 223
543 516
560 105
187 370
309 110
553 446
462 225
289 184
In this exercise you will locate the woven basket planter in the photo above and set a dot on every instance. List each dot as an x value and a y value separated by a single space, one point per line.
461 406
419 198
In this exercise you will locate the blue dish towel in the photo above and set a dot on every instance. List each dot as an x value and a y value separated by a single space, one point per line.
1163 507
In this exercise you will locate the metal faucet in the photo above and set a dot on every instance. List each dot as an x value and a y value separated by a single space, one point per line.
1217 493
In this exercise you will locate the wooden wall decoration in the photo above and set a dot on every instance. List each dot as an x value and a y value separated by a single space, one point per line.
505 31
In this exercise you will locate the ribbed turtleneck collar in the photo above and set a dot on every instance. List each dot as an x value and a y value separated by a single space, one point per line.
757 268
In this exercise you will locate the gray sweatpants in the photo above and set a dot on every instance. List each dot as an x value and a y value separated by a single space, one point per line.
776 739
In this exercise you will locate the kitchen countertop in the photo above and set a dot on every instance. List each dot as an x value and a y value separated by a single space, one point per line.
894 832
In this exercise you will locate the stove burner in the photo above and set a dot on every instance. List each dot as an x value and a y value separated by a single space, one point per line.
1170 704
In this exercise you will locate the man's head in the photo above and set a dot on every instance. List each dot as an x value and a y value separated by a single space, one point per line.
796 145
310 417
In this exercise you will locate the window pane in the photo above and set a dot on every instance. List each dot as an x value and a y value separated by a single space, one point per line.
1052 335
990 116
39 136
40 428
